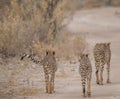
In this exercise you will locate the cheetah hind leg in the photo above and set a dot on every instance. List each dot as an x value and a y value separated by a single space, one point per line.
101 76
88 87
49 88
97 72
108 73
97 77
53 91
47 83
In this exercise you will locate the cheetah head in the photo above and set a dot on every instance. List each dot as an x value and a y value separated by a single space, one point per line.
83 56
107 44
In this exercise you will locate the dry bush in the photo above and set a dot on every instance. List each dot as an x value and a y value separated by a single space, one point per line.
16 29
63 45
25 22
32 24
69 45
79 44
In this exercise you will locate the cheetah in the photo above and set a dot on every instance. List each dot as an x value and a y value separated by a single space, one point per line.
102 56
85 70
49 66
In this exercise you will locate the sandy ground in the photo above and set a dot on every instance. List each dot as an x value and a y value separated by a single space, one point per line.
99 25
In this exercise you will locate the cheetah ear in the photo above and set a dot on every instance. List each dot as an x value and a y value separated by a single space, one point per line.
87 55
53 52
46 52
109 43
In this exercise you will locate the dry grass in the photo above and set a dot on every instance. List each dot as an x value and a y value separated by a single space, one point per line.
26 24
22 91
69 45
13 83
13 88
27 91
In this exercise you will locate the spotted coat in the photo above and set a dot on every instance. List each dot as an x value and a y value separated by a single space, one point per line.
85 70
102 56
49 66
